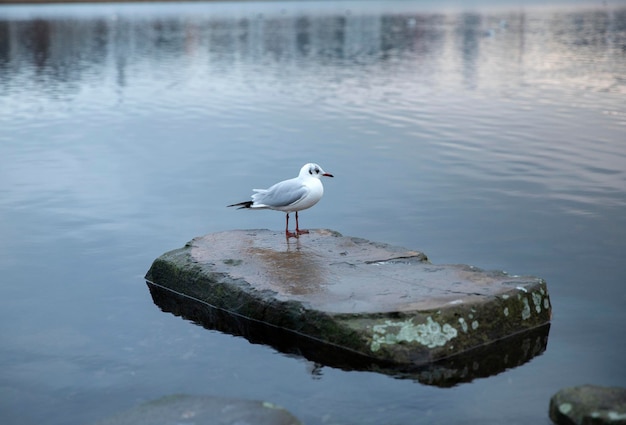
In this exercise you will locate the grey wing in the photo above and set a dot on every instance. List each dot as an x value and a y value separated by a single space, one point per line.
281 194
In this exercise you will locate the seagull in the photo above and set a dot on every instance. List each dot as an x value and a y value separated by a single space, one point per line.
291 195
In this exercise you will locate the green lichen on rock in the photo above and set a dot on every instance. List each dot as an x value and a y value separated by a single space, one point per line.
526 309
430 334
463 324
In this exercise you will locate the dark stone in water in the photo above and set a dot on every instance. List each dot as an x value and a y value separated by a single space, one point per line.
353 303
187 409
589 405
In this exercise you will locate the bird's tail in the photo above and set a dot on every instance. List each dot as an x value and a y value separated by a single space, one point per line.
246 204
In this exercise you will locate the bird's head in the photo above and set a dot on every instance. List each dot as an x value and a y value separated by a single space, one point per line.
313 170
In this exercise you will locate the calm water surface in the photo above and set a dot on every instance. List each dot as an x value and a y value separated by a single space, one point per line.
489 136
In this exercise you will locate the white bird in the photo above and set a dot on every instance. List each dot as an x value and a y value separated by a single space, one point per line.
291 195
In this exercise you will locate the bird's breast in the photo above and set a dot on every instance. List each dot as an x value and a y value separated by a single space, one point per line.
316 190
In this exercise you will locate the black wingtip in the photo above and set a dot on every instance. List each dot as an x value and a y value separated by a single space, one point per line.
241 205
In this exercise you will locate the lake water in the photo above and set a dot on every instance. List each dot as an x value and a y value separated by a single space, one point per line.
491 136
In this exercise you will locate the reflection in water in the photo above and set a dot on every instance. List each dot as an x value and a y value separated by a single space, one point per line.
469 44
67 50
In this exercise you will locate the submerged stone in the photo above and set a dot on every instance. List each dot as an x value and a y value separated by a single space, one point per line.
589 404
188 409
371 301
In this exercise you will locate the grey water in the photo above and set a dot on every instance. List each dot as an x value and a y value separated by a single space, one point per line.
487 134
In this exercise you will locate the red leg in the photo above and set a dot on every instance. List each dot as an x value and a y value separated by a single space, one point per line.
298 231
288 234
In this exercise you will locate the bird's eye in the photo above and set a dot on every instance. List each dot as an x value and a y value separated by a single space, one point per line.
317 170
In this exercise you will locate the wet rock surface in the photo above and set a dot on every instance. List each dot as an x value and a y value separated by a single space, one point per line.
589 404
368 299
187 409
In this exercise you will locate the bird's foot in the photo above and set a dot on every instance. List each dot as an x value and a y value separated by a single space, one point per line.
295 234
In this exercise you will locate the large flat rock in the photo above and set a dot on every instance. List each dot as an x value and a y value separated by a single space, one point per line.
371 299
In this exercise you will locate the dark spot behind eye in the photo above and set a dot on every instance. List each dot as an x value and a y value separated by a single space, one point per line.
310 171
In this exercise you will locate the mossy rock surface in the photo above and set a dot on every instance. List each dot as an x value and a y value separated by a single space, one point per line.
380 301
